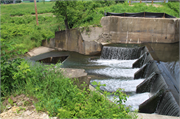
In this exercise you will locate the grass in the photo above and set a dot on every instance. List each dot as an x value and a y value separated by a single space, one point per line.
26 8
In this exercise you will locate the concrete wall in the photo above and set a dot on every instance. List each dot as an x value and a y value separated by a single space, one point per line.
91 35
71 40
139 30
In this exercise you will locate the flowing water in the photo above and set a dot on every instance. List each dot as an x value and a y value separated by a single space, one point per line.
114 68
120 75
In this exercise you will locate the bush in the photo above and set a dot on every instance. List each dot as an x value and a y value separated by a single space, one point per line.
174 6
56 94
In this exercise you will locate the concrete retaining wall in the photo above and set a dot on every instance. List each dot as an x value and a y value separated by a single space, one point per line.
139 30
71 40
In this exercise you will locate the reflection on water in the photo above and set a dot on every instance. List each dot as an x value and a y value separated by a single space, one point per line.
164 52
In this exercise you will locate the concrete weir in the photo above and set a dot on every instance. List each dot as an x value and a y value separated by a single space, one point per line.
159 82
139 30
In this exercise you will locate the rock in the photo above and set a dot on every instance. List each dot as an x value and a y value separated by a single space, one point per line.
27 113
8 106
79 74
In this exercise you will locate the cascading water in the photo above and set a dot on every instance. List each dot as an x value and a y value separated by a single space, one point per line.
117 62
122 53
155 88
161 80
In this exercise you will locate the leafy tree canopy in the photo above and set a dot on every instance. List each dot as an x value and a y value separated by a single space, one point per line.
71 11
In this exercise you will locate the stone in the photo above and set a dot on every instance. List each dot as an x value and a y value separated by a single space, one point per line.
79 74
27 113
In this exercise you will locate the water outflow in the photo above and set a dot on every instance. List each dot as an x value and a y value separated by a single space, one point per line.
122 53
114 68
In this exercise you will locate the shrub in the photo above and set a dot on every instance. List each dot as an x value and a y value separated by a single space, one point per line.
56 94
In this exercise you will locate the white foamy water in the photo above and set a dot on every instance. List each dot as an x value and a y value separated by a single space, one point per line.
135 100
114 62
120 69
115 72
113 84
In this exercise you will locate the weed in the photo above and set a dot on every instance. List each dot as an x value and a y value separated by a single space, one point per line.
10 101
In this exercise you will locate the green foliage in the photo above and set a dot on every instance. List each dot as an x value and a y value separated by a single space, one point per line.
8 83
56 94
122 8
103 3
26 8
174 6
24 33
70 11
10 101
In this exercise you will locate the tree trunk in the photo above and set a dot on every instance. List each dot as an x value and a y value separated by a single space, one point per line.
14 1
66 23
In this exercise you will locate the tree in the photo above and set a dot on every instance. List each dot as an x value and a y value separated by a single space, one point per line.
68 10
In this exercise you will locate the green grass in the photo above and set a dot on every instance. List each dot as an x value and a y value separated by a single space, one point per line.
23 31
26 8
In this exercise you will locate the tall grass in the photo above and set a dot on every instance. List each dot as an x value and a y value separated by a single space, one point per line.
26 8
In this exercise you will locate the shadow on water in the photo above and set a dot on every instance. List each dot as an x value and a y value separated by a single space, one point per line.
167 57
164 52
